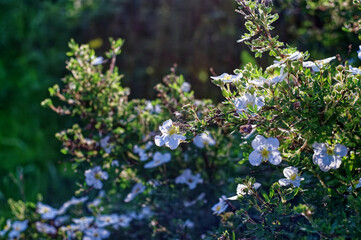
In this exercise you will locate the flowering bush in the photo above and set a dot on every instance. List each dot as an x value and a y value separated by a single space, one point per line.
300 115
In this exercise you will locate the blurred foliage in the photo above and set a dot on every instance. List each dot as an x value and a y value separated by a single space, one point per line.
33 41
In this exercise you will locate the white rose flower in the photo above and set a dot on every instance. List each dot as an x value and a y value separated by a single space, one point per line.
265 150
158 159
327 157
46 211
292 177
220 207
124 221
228 78
170 136
94 177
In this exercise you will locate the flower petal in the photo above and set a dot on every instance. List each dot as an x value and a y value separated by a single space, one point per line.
160 140
255 158
275 157
340 150
284 182
258 142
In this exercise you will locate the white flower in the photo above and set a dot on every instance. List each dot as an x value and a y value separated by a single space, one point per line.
188 223
316 65
354 71
106 220
187 178
292 177
170 136
242 103
152 109
203 139
241 190
124 221
220 207
228 78
359 52
186 87
94 177
261 82
97 61
45 228
141 151
6 228
158 159
327 157
104 143
83 222
265 150
46 211
17 228
72 201
96 234
293 57
137 189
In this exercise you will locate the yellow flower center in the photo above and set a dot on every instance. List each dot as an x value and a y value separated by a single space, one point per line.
46 210
98 176
227 77
218 208
157 161
173 130
190 180
265 153
136 190
17 228
293 176
330 151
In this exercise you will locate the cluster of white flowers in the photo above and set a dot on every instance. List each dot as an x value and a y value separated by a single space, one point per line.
94 177
204 139
188 178
170 135
328 157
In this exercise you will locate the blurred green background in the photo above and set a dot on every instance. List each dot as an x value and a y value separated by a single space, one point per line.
197 35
